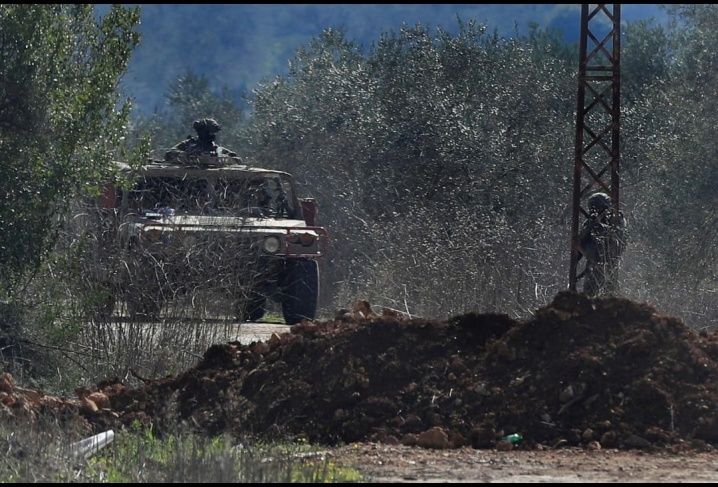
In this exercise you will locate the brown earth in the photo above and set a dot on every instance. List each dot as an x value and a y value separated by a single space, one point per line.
594 377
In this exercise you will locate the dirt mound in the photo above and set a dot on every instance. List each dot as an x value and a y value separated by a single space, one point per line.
594 372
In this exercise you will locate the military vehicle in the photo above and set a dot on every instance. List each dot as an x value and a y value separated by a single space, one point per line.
209 224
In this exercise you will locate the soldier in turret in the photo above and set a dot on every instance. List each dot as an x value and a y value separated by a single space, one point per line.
204 143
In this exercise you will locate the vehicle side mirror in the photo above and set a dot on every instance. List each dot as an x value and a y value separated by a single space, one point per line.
309 210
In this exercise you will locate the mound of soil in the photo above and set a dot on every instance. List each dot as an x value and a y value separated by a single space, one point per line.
604 372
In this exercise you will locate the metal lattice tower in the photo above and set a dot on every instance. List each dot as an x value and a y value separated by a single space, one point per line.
597 152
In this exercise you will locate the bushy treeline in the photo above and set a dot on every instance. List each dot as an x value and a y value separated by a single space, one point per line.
443 163
439 163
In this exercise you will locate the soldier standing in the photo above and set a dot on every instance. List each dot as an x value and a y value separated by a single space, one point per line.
602 243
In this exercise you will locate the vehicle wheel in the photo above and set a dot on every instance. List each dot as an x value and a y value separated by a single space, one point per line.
252 310
143 304
301 289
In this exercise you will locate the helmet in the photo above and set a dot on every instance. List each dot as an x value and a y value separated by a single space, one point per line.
599 202
206 125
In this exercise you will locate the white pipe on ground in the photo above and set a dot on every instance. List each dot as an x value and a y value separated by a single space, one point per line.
89 446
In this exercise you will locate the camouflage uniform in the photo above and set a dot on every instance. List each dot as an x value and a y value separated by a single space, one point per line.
206 129
602 244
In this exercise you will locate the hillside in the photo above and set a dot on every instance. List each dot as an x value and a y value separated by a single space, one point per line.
239 45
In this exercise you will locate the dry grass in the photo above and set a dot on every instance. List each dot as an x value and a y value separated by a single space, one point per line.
42 453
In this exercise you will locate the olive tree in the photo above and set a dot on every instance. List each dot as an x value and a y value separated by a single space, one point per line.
61 118
428 155
669 155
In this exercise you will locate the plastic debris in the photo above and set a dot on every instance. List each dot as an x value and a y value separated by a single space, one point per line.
89 446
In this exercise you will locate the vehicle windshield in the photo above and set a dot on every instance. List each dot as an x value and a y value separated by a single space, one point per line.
259 195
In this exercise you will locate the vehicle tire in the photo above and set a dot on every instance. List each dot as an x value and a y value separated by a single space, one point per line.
143 304
252 310
301 290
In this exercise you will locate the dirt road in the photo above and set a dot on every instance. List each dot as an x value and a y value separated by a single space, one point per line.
402 464
256 332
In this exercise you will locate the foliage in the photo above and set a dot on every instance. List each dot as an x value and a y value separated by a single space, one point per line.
669 155
424 145
61 120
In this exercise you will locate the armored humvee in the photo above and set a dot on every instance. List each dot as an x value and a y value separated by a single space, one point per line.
210 224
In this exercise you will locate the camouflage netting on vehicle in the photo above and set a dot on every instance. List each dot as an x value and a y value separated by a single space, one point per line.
597 372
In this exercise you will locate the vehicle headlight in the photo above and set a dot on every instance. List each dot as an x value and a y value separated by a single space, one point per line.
271 245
